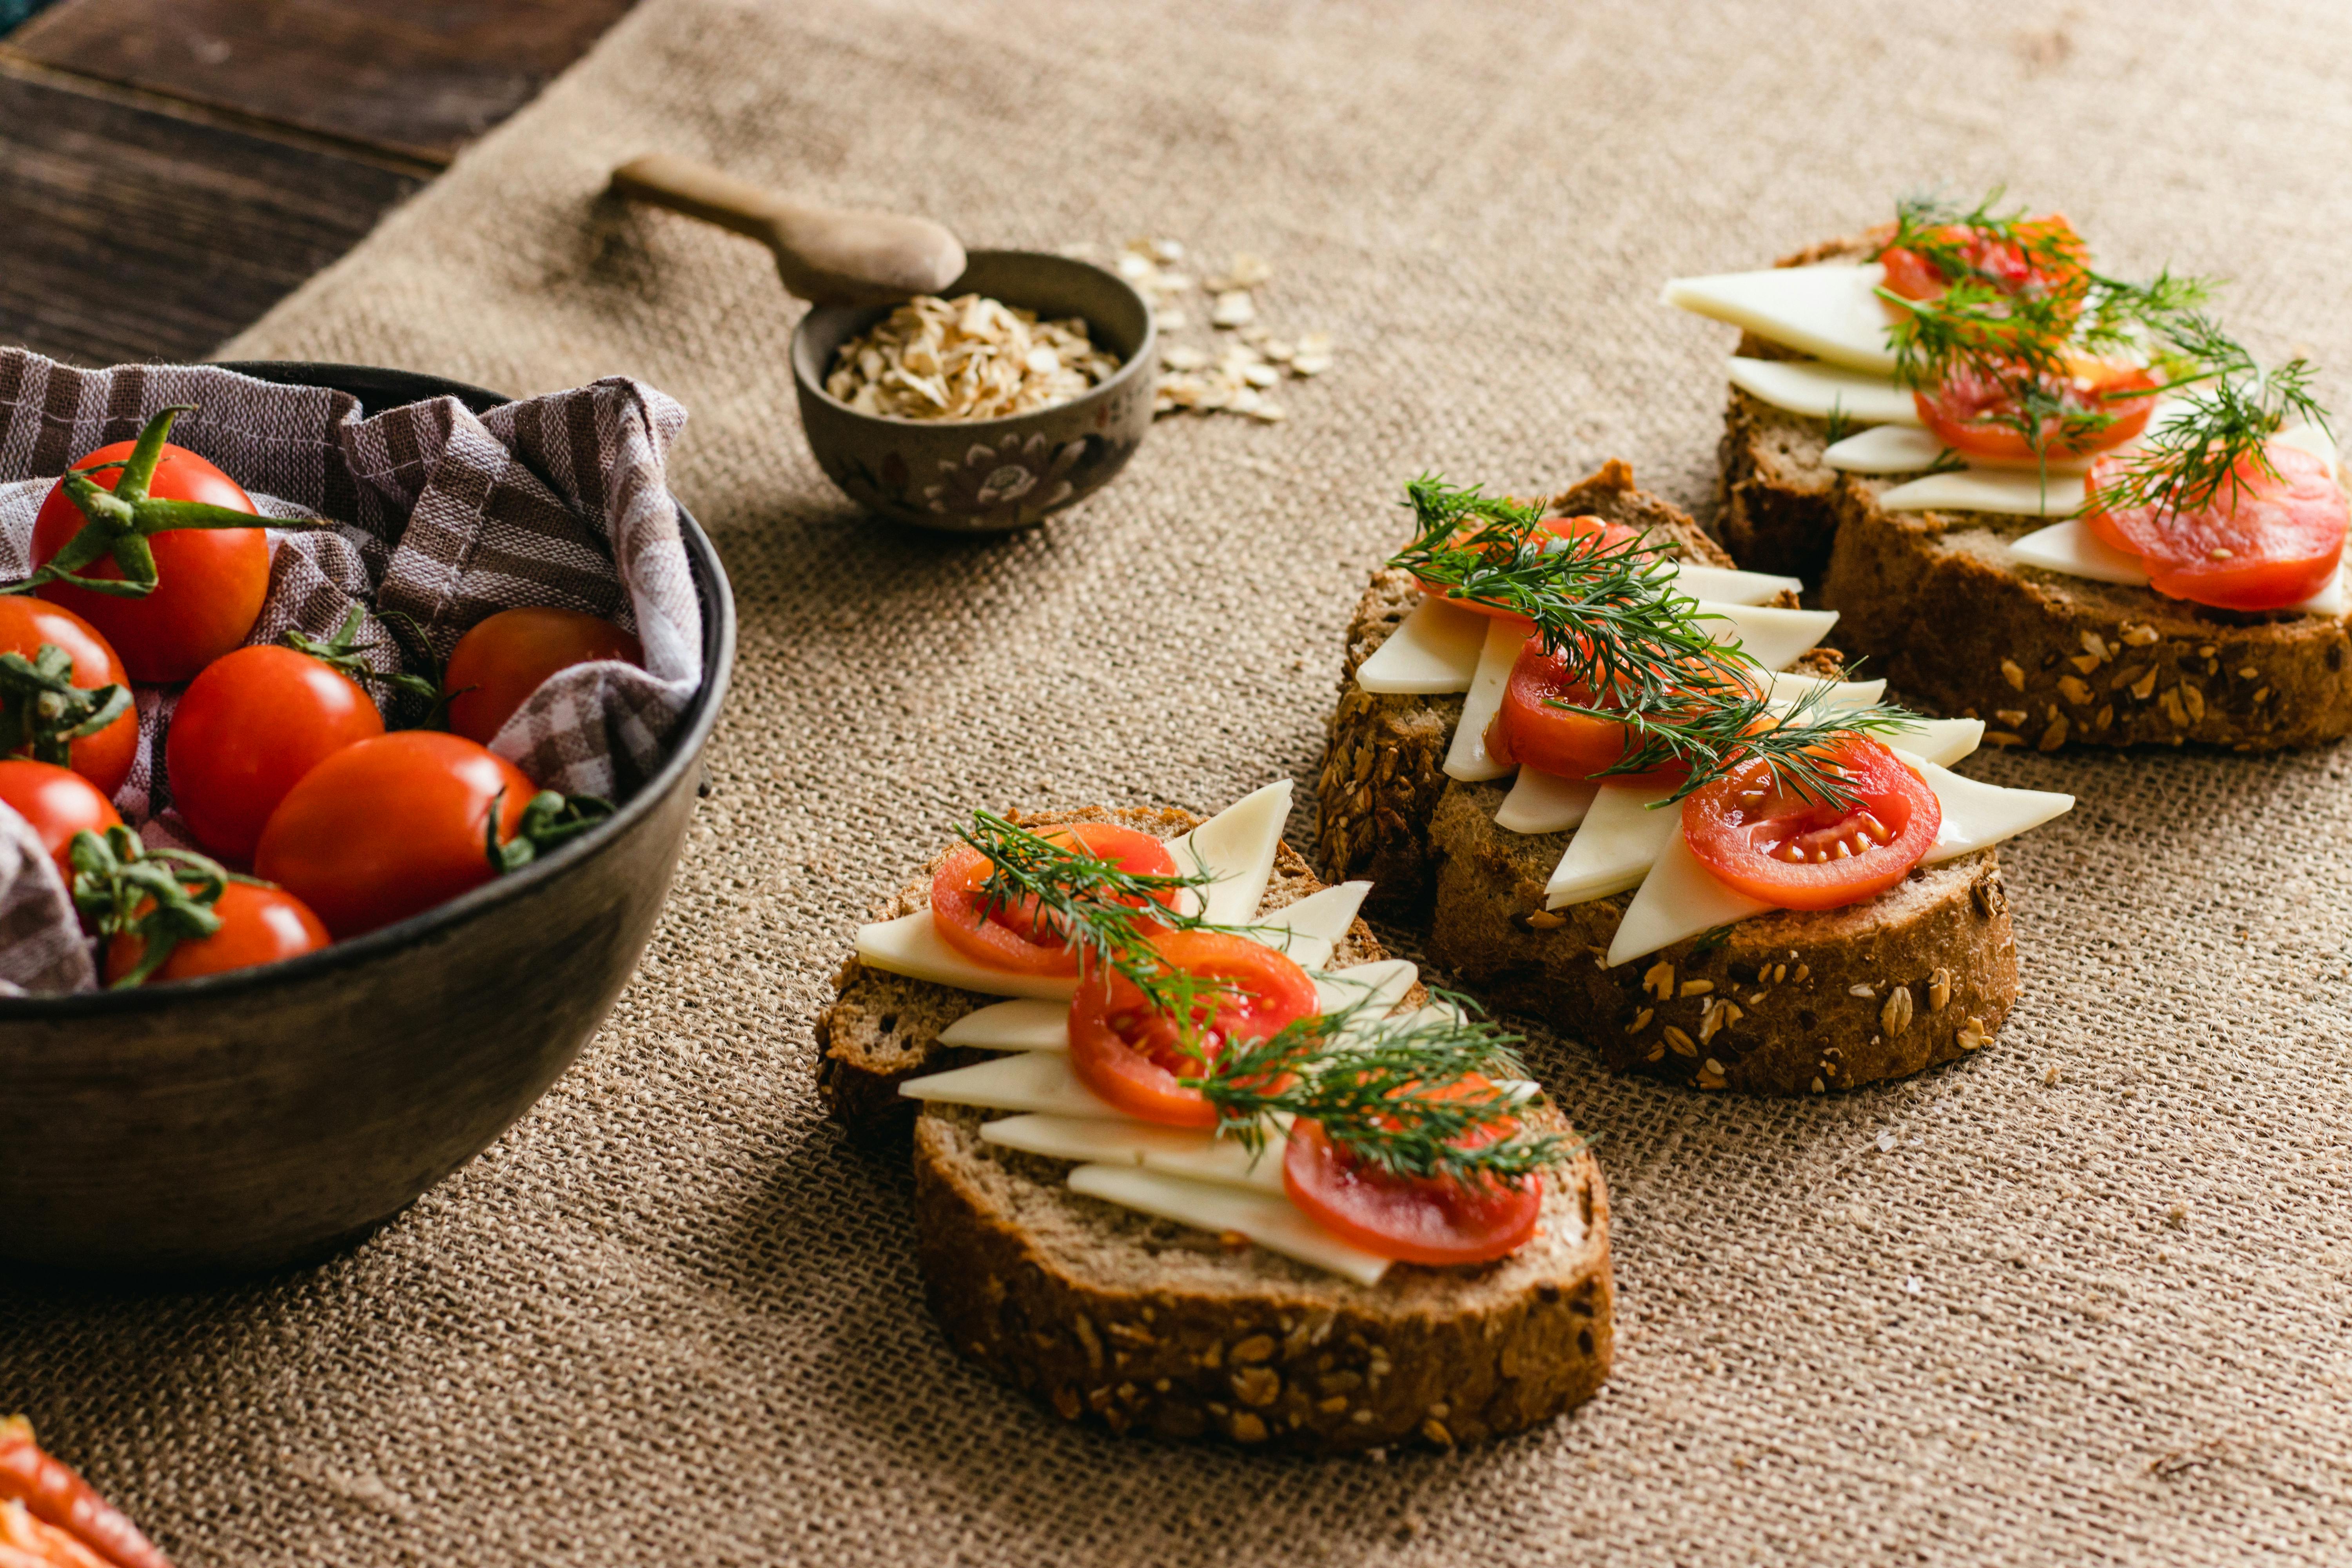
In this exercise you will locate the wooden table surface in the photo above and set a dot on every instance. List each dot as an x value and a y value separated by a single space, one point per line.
170 169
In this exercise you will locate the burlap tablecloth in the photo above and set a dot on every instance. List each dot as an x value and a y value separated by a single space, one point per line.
2083 1295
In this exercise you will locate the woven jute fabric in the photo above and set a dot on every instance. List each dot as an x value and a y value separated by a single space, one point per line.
2081 1297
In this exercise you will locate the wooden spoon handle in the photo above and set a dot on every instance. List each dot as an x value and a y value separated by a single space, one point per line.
684 187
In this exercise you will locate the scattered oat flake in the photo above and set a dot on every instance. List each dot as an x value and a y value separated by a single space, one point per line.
1171 320
1183 358
1887 1143
1310 364
968 358
1235 308
1912 1285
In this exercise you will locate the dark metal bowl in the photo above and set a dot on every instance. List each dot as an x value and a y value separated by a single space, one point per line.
246 1120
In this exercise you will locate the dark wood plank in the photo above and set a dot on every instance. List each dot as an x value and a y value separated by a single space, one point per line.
135 235
417 77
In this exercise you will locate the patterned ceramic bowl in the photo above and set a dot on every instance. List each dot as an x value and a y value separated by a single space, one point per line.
983 475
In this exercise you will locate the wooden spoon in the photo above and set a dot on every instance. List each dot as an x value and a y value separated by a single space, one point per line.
825 256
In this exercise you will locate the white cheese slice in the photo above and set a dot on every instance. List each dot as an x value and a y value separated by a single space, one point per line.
1722 586
1545 803
1614 848
1024 1080
1323 916
1433 650
1889 450
2072 548
1825 391
1940 741
1977 814
1832 312
1679 898
1467 758
1272 1223
1236 846
1378 987
1774 638
1022 1026
2013 493
1845 696
911 945
1178 1151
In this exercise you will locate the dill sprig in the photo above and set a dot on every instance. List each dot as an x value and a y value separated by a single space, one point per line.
2220 437
1386 1092
1612 612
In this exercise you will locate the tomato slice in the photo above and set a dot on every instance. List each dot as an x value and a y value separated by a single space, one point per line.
2002 263
2263 543
1977 412
1769 843
1013 937
1133 1056
1528 731
1436 1220
1612 535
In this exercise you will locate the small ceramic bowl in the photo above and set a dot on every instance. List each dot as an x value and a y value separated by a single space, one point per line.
983 476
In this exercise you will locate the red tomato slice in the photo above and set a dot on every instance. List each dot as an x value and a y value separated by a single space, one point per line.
2003 263
1528 731
58 803
2262 543
1011 937
209 582
245 732
1434 1220
1133 1056
105 758
1612 534
499 663
1769 843
258 925
1974 412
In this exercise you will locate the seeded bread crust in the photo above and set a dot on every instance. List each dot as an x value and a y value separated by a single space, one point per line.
1787 1003
1382 765
1135 1324
1938 606
883 1029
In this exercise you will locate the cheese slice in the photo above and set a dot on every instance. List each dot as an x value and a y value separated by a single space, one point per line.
1825 391
1722 586
1022 1026
1272 1222
1378 987
911 945
2072 548
1774 638
1178 1151
1845 696
1323 916
1435 649
1026 1081
1545 803
1678 899
1236 846
2012 493
1977 814
1889 449
1467 758
1832 311
1612 850
1940 741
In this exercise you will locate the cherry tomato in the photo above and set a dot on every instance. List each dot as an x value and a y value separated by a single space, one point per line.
1612 534
245 732
2057 268
1769 843
1133 1056
58 804
1528 732
2263 543
105 758
499 663
258 925
1976 414
1436 1220
388 828
209 582
1013 937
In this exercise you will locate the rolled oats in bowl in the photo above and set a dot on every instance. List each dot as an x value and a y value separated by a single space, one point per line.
966 358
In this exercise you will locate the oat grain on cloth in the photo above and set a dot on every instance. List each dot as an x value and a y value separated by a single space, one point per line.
2084 1297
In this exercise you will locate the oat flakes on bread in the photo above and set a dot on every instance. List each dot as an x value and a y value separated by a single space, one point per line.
1939 603
1787 1001
1136 1323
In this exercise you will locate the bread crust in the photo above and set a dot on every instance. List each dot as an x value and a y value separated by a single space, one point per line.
1135 1324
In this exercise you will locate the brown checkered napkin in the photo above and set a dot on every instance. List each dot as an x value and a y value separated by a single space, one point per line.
443 516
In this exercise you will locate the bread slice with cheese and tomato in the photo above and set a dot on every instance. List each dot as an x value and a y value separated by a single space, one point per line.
1270 1257
1746 938
2144 546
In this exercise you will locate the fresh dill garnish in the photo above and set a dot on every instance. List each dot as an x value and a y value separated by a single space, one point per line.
2221 436
1387 1091
1611 613
1840 426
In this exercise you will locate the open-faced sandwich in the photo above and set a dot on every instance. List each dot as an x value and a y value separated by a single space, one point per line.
2065 502
1194 1158
1577 738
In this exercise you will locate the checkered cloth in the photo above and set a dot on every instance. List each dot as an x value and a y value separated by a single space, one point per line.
438 513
